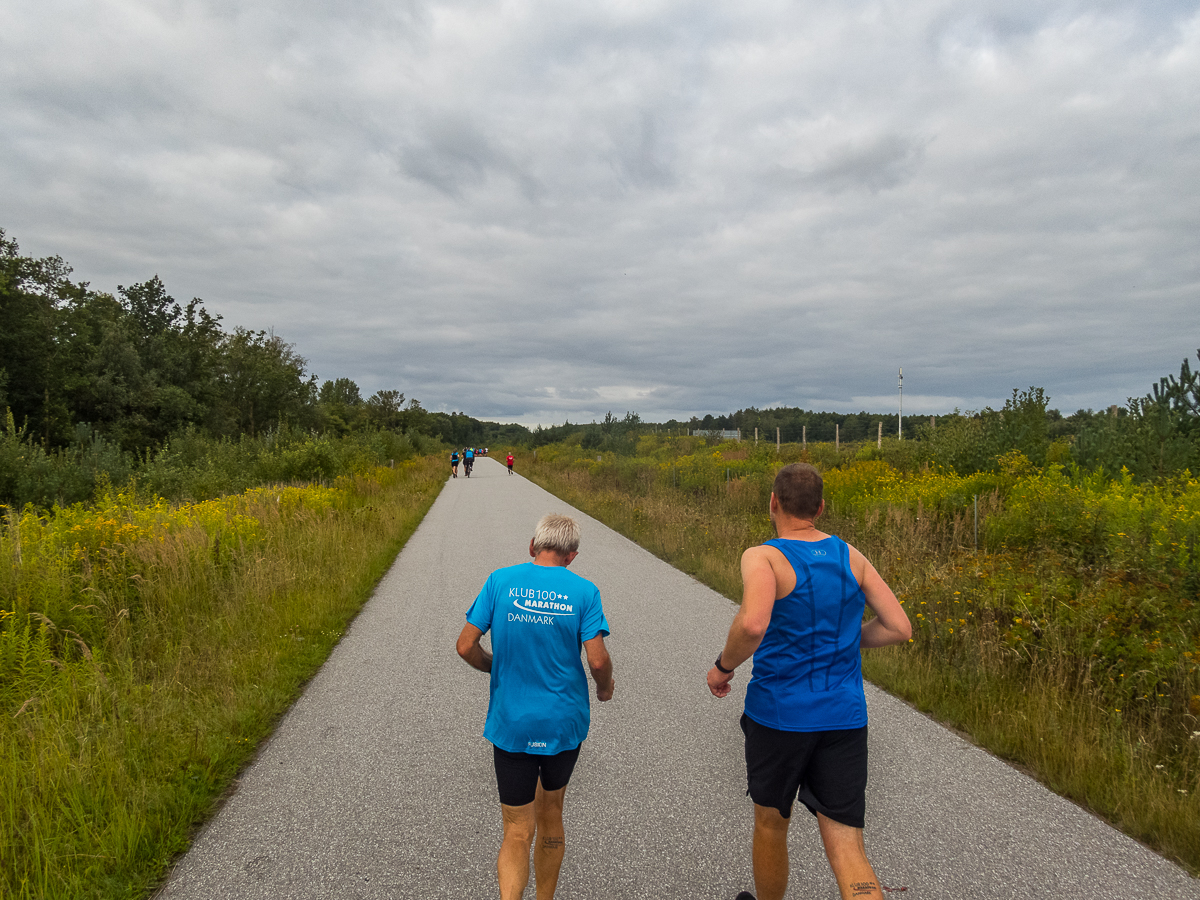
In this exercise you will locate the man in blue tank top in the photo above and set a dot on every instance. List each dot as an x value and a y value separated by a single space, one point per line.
540 616
804 595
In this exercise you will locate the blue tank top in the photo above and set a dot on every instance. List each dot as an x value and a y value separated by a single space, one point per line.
807 670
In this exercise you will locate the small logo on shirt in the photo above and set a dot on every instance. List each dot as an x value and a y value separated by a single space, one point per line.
818 552
537 744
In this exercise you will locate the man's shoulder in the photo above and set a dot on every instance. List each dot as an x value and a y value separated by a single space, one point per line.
761 552
580 580
510 571
572 581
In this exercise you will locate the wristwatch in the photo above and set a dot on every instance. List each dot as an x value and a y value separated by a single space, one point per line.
721 667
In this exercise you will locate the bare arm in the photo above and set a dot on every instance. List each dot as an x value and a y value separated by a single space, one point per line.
469 649
890 625
601 665
750 624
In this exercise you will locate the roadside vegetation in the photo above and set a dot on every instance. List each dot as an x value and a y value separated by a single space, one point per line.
147 647
1058 626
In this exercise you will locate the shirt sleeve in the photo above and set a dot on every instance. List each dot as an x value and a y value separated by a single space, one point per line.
481 611
593 623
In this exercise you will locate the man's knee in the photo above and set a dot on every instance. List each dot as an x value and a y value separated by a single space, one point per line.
842 842
768 818
520 823
548 808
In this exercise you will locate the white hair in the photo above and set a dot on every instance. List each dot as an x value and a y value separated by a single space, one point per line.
556 532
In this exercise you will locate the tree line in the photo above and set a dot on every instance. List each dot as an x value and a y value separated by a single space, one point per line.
137 367
1152 437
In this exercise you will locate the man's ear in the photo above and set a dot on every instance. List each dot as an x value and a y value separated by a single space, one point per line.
531 550
570 557
820 509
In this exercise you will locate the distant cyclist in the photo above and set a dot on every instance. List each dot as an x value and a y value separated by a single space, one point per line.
509 462
454 463
469 460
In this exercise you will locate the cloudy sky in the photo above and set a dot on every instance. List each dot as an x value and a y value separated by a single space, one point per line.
532 211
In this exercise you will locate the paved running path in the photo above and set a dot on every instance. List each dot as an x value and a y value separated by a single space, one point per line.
378 783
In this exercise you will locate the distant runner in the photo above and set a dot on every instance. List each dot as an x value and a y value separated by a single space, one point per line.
540 616
509 463
454 463
805 723
468 460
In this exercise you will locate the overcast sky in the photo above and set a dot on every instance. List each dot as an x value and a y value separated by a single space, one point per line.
531 211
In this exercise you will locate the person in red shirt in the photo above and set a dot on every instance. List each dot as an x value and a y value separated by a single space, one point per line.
509 461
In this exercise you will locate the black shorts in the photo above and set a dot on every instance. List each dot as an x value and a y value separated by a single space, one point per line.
517 774
826 769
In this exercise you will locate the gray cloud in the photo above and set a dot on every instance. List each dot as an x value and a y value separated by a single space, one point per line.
543 210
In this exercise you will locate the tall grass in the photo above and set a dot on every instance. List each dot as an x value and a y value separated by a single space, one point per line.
1068 642
146 648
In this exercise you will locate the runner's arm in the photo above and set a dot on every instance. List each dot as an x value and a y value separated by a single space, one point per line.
890 625
470 649
753 617
601 665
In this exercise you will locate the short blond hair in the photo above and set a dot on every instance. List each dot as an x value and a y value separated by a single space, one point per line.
556 532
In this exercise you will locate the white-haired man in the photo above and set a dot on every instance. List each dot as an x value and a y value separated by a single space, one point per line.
540 615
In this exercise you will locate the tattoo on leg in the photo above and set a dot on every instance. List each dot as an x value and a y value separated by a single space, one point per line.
552 843
863 889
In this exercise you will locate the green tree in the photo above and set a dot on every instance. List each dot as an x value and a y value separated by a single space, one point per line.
34 294
1156 436
261 381
384 408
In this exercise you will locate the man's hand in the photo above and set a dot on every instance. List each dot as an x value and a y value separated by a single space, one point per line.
718 682
603 694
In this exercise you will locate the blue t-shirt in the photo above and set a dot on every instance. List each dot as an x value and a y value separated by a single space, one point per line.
808 670
539 617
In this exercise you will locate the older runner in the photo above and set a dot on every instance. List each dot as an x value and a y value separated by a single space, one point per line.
540 615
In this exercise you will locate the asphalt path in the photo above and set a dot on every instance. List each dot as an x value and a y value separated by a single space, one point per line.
379 784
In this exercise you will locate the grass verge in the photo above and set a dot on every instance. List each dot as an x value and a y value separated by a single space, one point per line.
147 649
